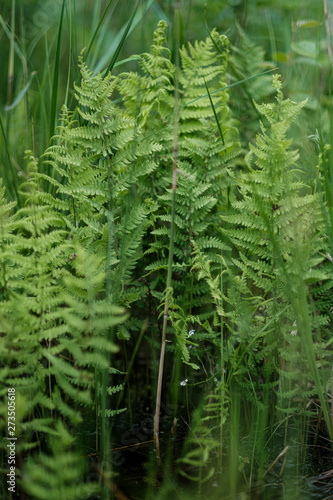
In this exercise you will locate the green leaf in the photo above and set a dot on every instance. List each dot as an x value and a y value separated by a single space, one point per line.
280 57
305 48
20 96
308 23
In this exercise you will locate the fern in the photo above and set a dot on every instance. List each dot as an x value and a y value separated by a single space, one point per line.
275 208
201 155
271 226
247 60
198 450
54 318
251 274
58 474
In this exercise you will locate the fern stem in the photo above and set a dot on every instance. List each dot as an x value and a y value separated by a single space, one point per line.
166 306
222 366
171 247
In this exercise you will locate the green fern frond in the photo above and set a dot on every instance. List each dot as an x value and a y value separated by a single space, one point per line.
60 474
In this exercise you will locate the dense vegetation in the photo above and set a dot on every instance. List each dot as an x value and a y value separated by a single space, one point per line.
166 251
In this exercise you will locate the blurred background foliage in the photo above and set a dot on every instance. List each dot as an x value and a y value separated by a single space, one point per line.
292 35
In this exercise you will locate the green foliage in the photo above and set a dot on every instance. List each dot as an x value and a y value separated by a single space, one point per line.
201 155
248 59
199 447
58 474
102 227
54 319
275 343
280 251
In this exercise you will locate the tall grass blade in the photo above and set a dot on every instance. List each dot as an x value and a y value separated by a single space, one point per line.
8 32
56 76
13 182
23 92
11 65
159 12
97 29
123 38
215 115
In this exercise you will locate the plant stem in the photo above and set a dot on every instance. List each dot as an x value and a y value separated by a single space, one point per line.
166 306
328 32
172 233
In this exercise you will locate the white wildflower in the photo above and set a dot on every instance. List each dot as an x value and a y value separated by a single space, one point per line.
190 333
294 332
184 382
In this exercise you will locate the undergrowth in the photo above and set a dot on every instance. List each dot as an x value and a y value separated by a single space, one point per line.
151 212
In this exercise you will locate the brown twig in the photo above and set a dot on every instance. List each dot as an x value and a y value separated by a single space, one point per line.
328 32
